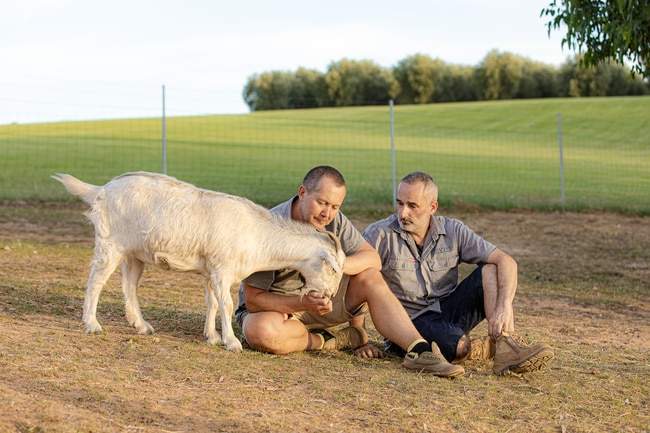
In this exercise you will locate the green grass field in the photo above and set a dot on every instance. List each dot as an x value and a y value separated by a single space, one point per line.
499 155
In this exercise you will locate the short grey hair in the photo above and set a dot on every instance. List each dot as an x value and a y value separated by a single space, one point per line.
430 187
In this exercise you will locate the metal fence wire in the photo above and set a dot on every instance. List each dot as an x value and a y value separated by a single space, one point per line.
478 154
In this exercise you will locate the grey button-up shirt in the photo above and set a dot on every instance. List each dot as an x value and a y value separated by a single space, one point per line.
420 279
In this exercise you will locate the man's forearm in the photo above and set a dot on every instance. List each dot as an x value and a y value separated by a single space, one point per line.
259 300
362 260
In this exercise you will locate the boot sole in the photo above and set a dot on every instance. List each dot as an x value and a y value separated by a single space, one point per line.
535 362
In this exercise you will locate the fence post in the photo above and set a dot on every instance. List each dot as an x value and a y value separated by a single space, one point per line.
392 150
164 134
559 133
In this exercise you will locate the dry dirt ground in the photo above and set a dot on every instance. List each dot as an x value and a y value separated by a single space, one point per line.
594 257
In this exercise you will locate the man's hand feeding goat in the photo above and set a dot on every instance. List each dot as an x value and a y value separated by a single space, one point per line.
145 218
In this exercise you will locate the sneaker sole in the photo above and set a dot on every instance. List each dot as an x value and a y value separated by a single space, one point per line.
451 375
536 362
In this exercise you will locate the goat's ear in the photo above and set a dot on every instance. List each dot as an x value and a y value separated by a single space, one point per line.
335 239
333 263
339 253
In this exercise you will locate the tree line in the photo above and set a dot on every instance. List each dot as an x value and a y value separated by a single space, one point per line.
420 79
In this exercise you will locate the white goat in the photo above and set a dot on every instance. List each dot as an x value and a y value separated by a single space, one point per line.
145 218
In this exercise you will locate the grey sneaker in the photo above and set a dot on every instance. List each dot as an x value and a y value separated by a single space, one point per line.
432 362
515 355
346 338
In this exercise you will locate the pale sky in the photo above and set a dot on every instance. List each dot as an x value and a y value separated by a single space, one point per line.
86 59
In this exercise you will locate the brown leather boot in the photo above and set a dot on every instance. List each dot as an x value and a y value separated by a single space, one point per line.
482 348
515 355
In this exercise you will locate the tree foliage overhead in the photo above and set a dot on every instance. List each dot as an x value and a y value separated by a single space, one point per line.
605 29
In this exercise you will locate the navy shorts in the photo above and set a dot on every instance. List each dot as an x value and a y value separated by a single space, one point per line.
461 312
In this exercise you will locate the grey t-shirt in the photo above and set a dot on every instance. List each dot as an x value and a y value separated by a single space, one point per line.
419 279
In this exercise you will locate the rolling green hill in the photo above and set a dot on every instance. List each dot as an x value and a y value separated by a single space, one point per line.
497 154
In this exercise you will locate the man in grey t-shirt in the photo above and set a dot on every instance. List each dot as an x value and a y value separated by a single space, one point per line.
420 254
275 318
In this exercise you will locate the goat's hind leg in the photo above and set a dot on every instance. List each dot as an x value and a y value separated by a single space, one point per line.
210 329
105 261
132 269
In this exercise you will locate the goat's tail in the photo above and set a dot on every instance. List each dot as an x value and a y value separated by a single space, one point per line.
74 186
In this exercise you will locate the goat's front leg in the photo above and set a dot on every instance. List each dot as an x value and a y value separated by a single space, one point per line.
131 272
221 290
210 329
226 309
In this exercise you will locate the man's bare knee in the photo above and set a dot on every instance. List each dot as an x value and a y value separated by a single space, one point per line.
367 278
262 337
366 287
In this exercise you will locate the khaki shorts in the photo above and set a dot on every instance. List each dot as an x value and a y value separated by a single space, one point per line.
338 316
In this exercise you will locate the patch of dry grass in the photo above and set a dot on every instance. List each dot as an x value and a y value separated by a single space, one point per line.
56 378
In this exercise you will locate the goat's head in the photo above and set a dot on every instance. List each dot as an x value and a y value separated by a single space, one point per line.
328 267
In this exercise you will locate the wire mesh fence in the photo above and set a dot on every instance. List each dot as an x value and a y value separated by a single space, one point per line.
494 154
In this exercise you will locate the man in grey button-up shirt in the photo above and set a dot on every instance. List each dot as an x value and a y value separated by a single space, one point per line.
420 254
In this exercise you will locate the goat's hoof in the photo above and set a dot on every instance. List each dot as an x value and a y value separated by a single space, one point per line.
235 346
145 329
213 336
94 328
214 340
